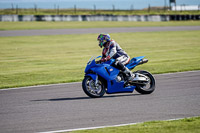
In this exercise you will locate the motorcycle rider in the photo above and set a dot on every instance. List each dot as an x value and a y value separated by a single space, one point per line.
113 50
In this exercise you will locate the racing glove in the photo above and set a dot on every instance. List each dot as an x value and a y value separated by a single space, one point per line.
105 59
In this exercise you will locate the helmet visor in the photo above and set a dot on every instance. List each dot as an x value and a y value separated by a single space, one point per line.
100 43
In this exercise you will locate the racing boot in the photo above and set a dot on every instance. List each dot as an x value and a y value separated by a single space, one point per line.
129 74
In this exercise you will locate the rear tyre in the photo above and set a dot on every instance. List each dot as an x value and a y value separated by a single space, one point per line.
147 87
91 90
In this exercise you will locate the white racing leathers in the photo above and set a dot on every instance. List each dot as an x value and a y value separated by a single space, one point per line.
113 50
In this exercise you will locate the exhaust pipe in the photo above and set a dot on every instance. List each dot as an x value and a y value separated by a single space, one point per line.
143 61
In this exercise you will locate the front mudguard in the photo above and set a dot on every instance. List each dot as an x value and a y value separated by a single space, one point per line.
93 76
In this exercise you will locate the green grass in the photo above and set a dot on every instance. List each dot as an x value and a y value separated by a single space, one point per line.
98 24
92 12
35 60
187 125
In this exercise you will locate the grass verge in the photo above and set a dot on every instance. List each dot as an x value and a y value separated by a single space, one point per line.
98 24
152 11
35 60
187 125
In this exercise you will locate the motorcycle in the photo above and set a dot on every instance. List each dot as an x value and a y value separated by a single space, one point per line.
101 78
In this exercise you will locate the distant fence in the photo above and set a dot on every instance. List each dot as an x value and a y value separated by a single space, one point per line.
98 17
183 17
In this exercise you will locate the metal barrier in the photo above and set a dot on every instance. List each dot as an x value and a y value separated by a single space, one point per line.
98 17
184 17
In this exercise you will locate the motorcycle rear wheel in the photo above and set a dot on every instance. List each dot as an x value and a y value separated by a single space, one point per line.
91 90
146 88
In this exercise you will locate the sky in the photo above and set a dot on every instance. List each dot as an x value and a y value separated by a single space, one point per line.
100 4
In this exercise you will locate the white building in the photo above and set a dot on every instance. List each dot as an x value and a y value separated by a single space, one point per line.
185 8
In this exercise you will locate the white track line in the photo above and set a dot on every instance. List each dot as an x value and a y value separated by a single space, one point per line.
179 72
90 128
28 87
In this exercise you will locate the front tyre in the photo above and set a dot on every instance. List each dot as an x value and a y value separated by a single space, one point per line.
146 87
92 90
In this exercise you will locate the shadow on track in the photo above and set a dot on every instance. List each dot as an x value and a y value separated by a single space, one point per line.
83 98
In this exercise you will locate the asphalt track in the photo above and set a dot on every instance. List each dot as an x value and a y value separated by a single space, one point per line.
65 106
94 30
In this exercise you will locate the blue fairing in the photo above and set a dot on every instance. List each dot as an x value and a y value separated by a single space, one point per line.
134 62
109 73
116 87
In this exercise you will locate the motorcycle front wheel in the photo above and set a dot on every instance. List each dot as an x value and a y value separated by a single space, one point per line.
92 90
146 87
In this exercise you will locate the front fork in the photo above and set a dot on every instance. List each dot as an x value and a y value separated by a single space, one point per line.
94 77
96 80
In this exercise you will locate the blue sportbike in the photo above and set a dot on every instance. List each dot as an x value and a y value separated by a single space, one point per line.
101 78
